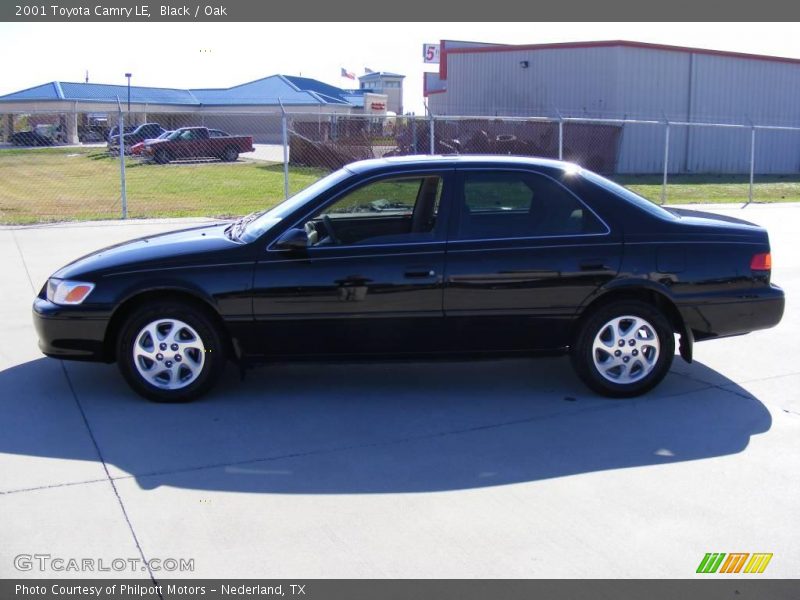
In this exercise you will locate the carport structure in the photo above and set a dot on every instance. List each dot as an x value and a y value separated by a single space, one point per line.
244 106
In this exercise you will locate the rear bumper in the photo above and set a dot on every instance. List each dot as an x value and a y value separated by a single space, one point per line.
734 314
69 333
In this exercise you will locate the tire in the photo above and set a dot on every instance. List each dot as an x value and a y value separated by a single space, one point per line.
162 157
163 368
633 367
230 154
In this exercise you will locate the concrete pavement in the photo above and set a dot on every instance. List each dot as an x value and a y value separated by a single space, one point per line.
506 468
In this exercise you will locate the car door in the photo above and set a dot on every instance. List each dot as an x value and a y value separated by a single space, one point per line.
371 279
190 143
523 253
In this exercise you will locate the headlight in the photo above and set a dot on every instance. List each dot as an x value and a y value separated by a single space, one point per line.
62 291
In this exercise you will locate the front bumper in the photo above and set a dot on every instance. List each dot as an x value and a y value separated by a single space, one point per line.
734 314
114 150
73 332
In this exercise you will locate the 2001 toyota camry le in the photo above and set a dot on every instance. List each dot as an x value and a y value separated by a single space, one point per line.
420 256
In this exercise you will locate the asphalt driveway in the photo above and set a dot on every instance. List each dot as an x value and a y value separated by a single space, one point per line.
506 468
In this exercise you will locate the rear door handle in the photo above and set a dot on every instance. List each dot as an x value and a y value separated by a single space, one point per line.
420 274
593 264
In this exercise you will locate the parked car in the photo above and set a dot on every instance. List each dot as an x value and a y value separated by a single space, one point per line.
41 135
139 134
90 135
138 148
197 142
113 133
467 255
31 138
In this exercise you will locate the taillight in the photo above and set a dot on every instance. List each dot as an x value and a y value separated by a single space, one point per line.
761 262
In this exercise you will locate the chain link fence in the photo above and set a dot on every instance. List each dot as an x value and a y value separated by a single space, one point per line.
227 164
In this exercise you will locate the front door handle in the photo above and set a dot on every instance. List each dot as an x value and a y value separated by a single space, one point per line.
421 274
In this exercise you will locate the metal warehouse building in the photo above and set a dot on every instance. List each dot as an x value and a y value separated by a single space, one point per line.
632 80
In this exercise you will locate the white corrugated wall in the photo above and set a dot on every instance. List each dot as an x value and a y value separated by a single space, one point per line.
642 83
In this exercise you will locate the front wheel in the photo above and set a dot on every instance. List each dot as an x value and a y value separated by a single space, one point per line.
170 352
624 349
162 157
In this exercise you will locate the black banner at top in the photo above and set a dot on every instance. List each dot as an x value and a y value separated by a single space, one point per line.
409 10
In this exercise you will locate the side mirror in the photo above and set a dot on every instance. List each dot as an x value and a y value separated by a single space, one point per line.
293 239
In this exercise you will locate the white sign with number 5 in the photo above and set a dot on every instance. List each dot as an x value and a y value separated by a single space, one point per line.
430 52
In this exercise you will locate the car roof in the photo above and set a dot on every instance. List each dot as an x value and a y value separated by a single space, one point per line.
458 160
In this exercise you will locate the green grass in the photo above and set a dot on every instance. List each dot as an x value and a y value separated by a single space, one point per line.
400 194
65 184
494 195
714 189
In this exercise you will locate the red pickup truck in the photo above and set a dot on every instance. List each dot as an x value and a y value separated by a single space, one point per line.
197 142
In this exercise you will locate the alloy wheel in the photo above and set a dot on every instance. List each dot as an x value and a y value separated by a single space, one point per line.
626 349
169 354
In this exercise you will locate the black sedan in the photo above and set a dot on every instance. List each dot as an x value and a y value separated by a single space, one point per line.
423 257
30 138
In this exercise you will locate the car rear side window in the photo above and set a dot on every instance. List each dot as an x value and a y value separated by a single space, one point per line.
514 204
629 196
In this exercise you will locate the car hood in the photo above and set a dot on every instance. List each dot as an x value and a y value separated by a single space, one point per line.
186 247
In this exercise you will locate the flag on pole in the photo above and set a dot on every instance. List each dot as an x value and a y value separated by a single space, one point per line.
348 74
367 70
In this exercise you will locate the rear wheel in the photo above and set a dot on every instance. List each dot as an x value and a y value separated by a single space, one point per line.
231 154
170 352
624 349
162 157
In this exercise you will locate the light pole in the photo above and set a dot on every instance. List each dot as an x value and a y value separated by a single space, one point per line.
128 75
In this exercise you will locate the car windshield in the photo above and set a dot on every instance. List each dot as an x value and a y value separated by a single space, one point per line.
175 134
267 219
628 195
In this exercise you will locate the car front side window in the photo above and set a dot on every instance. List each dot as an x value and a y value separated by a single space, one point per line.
387 211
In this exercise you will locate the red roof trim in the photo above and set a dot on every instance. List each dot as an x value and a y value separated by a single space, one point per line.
605 44
442 60
425 91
